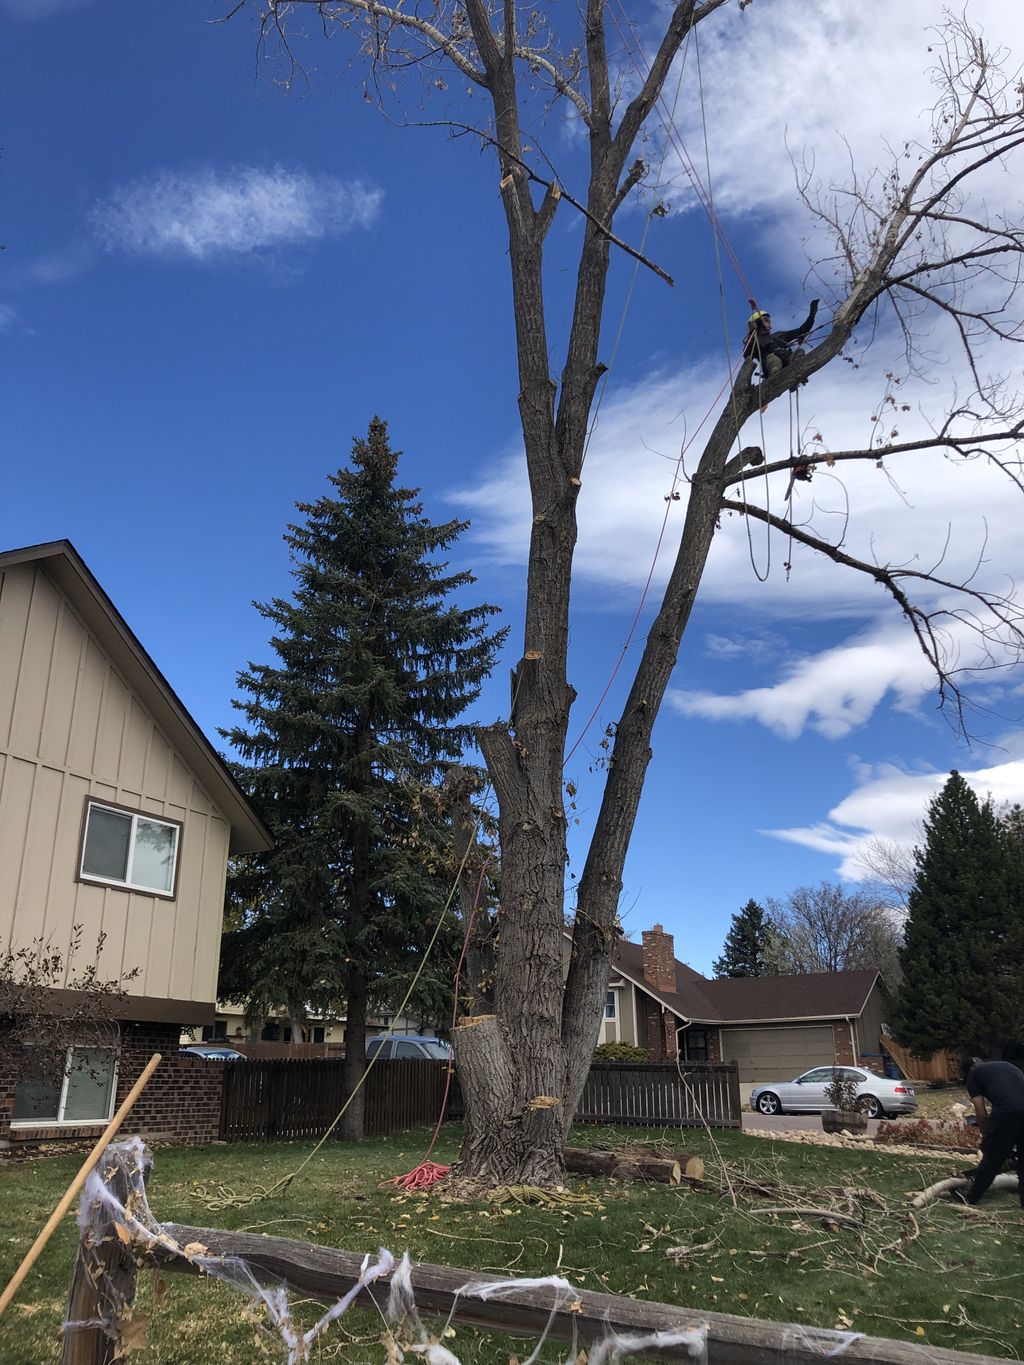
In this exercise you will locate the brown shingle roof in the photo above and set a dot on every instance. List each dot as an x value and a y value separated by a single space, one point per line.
759 999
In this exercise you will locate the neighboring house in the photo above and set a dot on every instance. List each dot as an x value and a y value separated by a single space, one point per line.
116 815
773 1027
229 1026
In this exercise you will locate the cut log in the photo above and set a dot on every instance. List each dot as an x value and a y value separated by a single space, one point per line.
626 1165
941 1187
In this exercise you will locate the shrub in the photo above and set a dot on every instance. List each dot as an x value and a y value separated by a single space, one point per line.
922 1133
620 1052
840 1093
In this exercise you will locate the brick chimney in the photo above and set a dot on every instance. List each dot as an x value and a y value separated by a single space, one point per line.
659 959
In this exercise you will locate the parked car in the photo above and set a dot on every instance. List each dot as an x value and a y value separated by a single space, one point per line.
212 1052
395 1045
877 1096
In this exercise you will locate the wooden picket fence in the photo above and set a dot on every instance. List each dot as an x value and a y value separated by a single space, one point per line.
654 1093
271 1100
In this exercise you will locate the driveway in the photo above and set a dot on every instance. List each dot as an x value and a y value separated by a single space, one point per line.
790 1123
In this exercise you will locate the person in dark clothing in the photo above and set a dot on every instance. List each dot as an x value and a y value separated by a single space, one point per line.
775 350
1002 1085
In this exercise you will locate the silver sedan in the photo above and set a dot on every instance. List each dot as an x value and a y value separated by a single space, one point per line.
877 1096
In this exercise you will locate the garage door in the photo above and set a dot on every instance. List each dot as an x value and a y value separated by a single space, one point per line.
777 1054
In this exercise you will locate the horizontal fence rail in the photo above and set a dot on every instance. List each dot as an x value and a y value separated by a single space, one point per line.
266 1100
532 1309
653 1093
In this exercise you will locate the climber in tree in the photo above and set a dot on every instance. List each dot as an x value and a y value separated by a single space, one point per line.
774 350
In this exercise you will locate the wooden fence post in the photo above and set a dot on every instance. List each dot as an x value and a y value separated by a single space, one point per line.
103 1280
735 1099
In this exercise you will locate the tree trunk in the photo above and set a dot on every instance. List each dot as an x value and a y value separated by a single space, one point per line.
508 1139
351 1125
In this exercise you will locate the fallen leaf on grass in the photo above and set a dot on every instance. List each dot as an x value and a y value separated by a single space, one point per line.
133 1331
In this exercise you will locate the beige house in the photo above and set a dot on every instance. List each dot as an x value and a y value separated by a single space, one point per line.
324 1032
116 816
772 1027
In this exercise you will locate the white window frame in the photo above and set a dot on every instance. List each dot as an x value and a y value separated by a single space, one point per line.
42 1122
612 999
91 804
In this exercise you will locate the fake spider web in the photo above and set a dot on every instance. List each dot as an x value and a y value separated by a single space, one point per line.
143 1235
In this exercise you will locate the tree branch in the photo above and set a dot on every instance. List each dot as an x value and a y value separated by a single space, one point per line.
403 19
735 471
922 622
555 192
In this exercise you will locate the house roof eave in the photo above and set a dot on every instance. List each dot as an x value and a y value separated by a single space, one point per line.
65 566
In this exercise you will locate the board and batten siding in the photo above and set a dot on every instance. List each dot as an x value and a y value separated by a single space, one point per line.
70 728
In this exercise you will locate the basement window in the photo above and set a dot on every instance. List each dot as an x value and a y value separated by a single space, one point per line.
126 848
85 1095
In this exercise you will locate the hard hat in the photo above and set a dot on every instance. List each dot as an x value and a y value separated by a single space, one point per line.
756 317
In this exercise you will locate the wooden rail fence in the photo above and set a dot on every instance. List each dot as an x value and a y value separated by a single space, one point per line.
271 1100
103 1291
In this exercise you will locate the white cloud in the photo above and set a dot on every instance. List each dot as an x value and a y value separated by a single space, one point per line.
203 214
756 645
902 514
848 82
8 317
890 804
838 690
833 692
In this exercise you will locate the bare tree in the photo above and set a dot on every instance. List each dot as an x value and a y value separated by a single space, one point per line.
889 867
909 241
51 1001
826 928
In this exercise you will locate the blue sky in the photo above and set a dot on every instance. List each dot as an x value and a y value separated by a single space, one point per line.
211 284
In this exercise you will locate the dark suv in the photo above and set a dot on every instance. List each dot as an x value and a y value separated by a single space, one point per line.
397 1045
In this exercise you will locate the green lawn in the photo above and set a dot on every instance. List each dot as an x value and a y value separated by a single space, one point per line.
960 1283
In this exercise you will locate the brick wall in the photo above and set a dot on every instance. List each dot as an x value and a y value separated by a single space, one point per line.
181 1103
657 1030
842 1035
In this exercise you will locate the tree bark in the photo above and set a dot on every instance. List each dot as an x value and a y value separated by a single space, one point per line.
477 985
626 1165
351 1125
509 1138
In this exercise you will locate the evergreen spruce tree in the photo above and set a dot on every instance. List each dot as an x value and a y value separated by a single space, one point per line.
746 948
343 735
963 959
